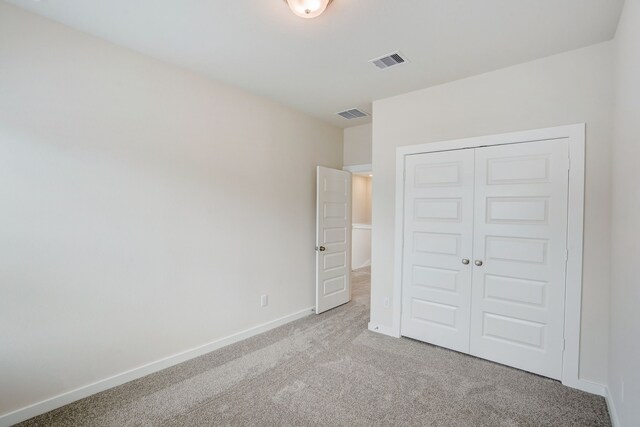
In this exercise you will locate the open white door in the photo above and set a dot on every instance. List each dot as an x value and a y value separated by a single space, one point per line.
333 239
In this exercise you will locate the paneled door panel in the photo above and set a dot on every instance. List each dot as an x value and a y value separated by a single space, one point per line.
520 229
438 231
333 239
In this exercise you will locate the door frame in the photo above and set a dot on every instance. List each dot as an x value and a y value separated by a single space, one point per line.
573 294
355 169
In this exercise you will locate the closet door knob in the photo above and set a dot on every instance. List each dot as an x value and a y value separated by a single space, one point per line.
478 263
465 261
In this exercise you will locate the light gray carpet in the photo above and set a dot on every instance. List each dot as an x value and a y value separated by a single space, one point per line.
330 370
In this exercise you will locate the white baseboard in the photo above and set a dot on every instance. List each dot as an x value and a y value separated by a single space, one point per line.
367 263
384 330
588 386
52 403
615 421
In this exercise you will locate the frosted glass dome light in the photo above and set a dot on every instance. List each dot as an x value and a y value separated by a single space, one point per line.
308 8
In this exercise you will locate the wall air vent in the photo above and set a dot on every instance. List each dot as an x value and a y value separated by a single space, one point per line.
352 113
388 61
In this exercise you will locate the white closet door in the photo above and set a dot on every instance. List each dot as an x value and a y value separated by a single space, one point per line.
520 232
438 231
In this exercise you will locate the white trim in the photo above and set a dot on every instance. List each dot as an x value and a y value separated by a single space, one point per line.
399 243
488 140
613 414
575 231
590 387
576 136
381 329
52 403
361 226
367 263
358 168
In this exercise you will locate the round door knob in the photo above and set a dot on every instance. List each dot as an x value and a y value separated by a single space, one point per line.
478 262
322 249
465 261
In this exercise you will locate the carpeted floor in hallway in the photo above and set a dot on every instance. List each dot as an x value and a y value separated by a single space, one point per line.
330 370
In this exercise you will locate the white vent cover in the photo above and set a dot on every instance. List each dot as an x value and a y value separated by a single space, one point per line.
352 113
388 61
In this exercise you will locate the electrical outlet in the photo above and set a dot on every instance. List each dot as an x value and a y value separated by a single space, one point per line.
386 302
264 300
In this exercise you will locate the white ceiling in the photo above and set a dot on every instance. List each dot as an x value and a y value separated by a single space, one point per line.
320 66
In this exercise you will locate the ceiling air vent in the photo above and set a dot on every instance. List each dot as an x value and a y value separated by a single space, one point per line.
352 113
388 61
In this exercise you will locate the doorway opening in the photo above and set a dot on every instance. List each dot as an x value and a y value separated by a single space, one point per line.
361 220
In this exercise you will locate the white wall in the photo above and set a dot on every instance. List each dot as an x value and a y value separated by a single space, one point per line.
140 208
357 145
360 246
624 356
361 219
569 88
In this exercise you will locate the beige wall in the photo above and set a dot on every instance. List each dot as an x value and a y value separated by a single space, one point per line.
624 356
140 208
357 145
569 88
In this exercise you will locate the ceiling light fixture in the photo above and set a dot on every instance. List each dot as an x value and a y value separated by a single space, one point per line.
308 8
